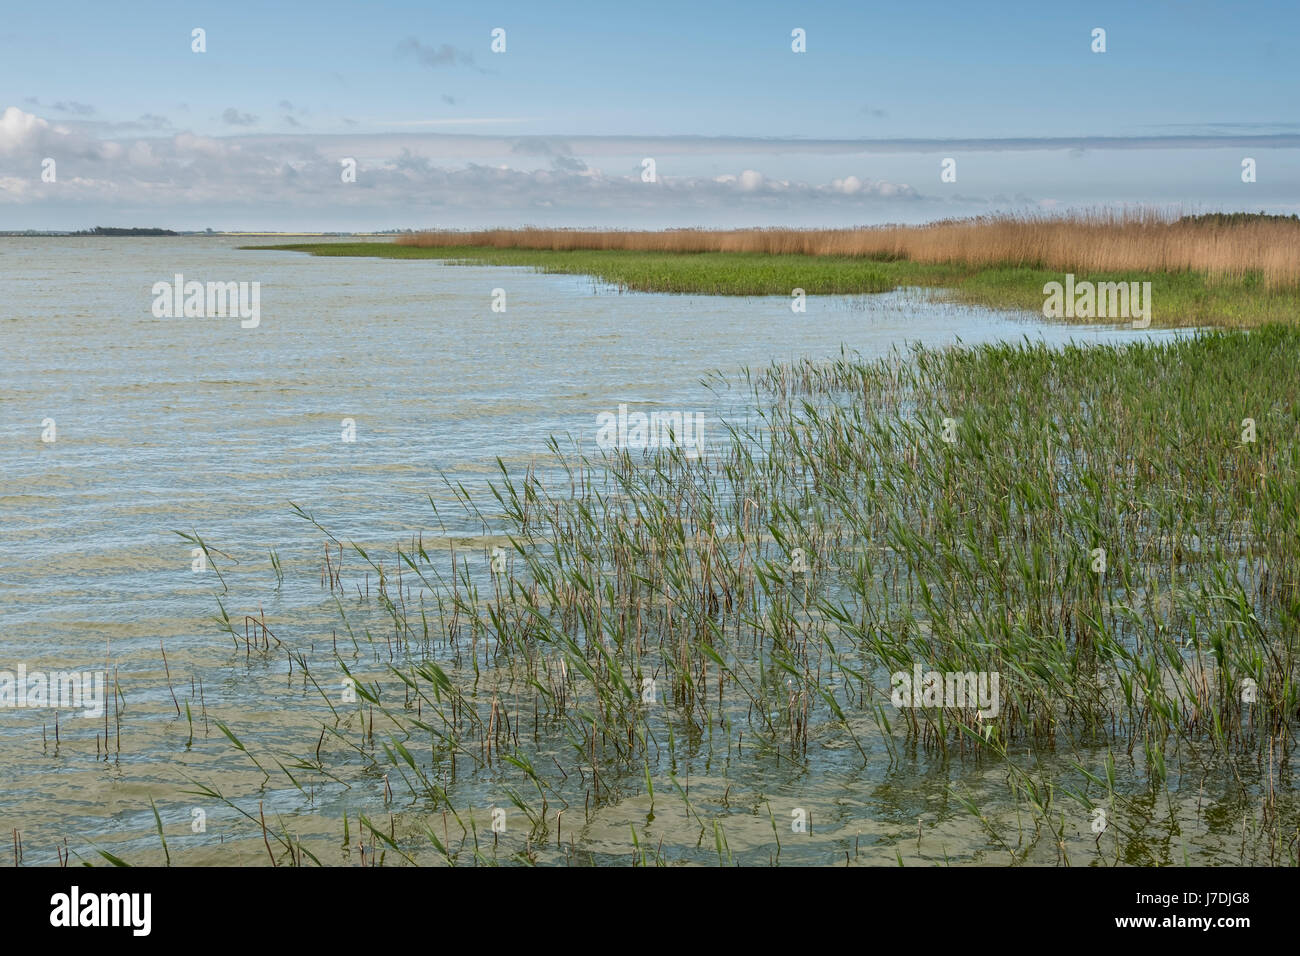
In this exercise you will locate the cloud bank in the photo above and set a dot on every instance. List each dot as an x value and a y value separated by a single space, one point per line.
147 171
427 172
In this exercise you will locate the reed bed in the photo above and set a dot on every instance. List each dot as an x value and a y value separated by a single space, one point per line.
681 650
1217 270
1104 241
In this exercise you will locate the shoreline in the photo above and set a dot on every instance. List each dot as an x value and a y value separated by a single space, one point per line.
1182 299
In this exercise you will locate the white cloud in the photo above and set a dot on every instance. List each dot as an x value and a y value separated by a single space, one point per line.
20 131
401 171
404 178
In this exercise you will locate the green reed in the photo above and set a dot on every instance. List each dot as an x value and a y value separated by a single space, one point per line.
737 617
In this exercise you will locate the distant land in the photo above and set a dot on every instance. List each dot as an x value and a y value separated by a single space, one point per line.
134 231
121 231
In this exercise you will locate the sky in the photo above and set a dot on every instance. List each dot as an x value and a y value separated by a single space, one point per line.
254 131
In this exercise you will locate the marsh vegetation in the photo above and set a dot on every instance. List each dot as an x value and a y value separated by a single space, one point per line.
1208 270
676 656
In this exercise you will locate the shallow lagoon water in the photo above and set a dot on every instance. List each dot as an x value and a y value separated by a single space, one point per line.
168 425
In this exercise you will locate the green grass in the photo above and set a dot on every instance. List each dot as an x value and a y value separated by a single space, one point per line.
709 273
1180 299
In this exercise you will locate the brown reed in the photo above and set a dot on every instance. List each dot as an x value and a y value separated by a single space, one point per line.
1097 241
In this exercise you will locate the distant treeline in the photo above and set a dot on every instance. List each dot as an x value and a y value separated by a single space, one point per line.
1237 218
119 231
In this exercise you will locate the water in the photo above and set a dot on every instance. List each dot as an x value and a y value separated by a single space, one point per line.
199 425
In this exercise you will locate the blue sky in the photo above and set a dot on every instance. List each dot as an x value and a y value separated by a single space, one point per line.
743 130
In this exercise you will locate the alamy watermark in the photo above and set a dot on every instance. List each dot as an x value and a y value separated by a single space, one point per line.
195 300
129 910
637 431
60 690
1098 300
946 689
